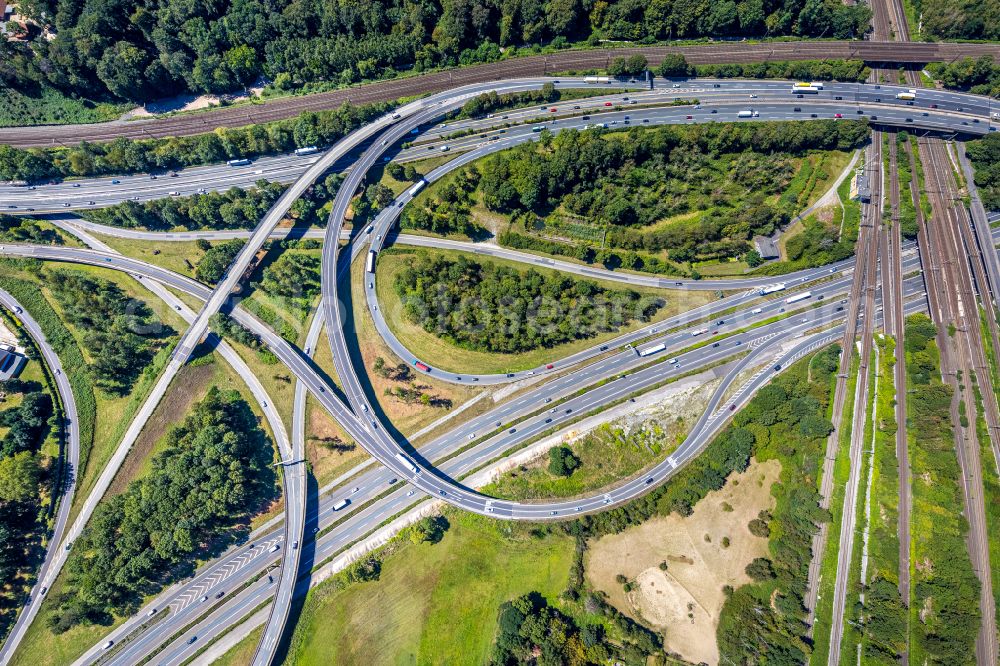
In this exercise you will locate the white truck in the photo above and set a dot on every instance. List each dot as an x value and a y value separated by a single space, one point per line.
747 113
798 297
655 349
772 288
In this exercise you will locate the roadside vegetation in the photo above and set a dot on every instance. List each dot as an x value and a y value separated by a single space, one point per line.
985 156
23 230
123 155
944 613
213 474
661 200
802 70
980 76
235 208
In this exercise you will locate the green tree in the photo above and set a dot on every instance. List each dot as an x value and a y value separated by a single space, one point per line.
562 462
19 476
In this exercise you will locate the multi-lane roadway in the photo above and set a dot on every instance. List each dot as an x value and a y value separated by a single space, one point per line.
371 435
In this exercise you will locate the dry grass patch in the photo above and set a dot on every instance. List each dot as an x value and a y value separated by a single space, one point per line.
685 599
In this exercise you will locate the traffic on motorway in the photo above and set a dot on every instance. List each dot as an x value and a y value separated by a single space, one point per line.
805 320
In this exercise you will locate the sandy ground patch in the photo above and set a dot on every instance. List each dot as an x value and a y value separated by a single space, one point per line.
684 600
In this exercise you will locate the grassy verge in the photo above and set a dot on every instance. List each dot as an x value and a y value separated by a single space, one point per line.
452 358
178 256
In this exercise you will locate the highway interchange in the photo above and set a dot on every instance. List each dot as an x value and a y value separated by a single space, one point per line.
365 429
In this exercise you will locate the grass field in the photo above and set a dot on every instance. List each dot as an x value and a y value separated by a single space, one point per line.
178 256
451 358
433 604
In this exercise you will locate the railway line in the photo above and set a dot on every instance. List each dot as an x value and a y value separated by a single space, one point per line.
372 437
892 309
874 52
961 358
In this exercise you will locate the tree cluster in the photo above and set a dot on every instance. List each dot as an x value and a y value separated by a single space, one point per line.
293 275
213 474
802 70
213 264
491 101
985 156
120 334
980 76
490 307
529 630
562 462
235 208
21 471
124 155
168 46
21 230
447 211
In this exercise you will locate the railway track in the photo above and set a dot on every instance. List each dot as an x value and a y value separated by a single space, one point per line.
863 291
961 353
892 316
874 51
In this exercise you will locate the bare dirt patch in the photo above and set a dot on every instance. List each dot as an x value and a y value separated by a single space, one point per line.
328 448
171 410
684 600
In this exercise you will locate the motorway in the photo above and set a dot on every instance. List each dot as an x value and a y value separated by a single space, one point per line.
541 65
373 437
731 96
569 383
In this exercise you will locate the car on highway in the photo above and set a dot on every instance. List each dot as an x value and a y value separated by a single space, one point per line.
192 640
107 646
608 104
838 115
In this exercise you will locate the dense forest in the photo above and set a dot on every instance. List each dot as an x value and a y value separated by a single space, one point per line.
141 52
598 197
213 474
120 334
985 156
490 307
958 19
